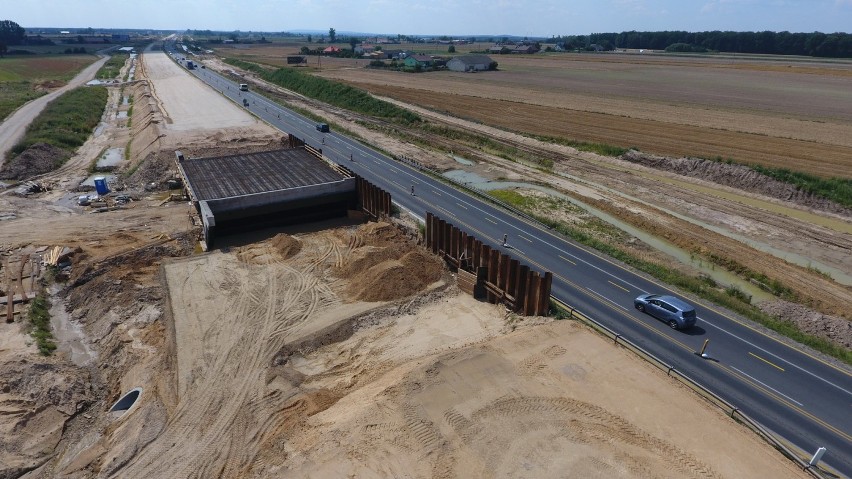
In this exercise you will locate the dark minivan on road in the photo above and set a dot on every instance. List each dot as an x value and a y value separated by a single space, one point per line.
322 127
676 313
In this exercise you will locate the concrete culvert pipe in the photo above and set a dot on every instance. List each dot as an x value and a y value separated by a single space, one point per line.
126 402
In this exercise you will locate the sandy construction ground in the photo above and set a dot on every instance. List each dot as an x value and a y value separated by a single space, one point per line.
187 103
282 372
340 351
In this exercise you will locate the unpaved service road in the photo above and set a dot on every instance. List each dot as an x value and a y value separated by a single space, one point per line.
12 129
188 104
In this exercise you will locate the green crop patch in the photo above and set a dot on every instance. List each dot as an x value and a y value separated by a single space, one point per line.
67 121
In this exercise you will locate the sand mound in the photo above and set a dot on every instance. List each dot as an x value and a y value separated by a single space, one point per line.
380 234
286 245
396 278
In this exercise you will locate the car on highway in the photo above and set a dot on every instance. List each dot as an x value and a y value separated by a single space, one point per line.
674 312
322 127
243 87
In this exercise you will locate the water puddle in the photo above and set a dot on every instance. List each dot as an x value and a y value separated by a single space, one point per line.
720 276
121 114
125 100
463 161
70 338
111 158
90 181
838 275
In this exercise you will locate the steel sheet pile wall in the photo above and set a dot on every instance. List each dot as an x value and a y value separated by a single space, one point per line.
373 200
481 268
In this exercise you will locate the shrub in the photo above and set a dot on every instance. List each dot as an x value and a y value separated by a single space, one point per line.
39 318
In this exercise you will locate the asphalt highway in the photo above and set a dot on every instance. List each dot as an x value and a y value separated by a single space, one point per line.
802 398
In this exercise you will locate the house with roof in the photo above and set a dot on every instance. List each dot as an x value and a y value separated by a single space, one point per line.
423 62
332 50
364 49
525 49
471 63
390 54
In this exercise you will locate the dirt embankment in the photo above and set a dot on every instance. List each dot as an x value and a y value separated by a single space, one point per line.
736 176
38 159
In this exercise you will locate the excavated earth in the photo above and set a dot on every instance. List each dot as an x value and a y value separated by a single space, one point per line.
338 350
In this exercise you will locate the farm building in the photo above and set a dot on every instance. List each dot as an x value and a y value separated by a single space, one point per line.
331 50
470 63
423 61
287 186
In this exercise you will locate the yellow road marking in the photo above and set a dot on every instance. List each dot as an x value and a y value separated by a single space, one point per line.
618 286
667 287
687 348
568 260
766 361
785 402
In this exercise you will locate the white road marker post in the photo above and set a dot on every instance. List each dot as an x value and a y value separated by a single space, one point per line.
817 457
704 348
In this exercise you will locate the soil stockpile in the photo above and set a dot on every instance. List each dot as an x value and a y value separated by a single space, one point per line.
38 159
736 176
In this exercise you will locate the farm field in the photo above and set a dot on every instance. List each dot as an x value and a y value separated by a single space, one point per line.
25 78
678 106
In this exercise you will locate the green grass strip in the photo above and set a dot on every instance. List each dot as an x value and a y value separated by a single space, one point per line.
112 67
67 121
838 190
698 286
39 318
331 92
13 94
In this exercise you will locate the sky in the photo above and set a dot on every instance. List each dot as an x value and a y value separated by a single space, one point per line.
532 18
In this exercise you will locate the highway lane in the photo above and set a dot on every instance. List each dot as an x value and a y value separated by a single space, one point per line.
798 396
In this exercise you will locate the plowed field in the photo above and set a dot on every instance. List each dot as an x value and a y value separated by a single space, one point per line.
797 118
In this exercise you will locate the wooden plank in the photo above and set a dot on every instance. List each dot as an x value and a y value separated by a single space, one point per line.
23 260
10 311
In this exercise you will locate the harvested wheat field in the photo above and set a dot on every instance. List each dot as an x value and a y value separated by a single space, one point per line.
746 110
305 355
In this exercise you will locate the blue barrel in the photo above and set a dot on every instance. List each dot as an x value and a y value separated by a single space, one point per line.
101 185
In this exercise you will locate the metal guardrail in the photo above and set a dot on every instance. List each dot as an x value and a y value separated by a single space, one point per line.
732 411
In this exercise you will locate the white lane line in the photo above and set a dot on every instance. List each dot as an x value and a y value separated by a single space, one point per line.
703 321
512 248
607 299
766 385
473 206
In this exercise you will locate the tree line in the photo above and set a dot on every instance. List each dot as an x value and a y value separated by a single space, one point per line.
816 44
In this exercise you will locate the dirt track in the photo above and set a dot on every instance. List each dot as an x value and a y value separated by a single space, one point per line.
13 127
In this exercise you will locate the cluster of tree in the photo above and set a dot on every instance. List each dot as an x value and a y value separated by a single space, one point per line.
685 48
11 33
837 45
75 50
